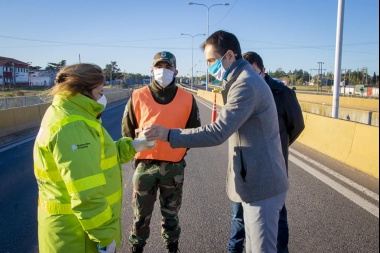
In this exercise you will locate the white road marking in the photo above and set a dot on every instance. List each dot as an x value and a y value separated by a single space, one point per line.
17 143
207 104
337 175
366 205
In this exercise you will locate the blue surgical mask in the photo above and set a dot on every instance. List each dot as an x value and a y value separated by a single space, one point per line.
217 70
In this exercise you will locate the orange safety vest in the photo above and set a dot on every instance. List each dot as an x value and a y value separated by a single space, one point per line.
173 115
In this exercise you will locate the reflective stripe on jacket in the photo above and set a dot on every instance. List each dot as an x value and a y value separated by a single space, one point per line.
77 167
172 115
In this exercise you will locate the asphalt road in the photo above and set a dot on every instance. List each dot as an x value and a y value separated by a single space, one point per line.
332 207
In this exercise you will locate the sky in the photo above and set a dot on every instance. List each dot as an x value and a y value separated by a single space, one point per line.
288 34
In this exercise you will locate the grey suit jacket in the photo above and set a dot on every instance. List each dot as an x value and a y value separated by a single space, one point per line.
256 168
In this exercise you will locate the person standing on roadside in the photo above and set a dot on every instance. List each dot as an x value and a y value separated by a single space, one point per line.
256 173
77 166
161 168
291 124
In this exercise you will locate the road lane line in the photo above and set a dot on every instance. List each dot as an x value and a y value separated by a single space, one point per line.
17 143
366 205
207 104
337 175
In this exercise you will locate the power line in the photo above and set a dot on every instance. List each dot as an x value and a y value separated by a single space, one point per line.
104 44
85 43
226 13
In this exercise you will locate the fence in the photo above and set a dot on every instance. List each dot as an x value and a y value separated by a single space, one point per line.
13 102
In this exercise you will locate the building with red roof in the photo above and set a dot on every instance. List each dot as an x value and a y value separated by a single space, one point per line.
13 72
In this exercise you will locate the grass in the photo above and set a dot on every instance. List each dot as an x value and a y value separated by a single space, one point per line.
311 88
21 91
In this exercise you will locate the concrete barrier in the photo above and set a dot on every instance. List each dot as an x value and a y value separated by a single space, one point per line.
210 96
365 150
7 122
375 118
19 119
352 143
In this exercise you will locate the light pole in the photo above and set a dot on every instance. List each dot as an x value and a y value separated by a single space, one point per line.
29 63
192 53
208 27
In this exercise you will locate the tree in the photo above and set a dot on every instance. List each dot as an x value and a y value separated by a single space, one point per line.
330 78
55 66
279 73
35 67
375 79
211 79
305 77
112 69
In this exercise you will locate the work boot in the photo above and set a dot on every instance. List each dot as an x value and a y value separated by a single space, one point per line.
136 249
172 247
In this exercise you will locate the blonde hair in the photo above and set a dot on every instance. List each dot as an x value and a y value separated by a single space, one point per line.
77 78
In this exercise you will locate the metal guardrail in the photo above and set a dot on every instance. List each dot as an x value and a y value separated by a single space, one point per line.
340 95
13 102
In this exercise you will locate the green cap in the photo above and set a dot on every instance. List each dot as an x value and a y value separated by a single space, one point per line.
165 56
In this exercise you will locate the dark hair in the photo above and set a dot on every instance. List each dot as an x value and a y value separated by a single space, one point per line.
223 41
252 58
78 78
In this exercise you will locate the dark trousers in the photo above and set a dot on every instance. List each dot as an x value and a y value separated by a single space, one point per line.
237 236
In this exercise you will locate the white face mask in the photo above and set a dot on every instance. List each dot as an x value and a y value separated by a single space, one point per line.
102 100
163 76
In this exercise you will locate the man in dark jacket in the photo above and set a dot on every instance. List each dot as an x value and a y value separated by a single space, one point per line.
291 125
161 168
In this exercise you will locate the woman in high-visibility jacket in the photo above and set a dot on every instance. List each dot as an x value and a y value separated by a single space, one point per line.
78 167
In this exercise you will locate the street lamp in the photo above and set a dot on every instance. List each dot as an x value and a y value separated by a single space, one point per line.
208 33
192 53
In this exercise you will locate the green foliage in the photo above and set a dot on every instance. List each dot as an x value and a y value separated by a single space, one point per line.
301 77
35 67
135 76
55 66
114 70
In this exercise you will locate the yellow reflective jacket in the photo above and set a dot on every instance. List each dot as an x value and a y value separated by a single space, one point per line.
78 170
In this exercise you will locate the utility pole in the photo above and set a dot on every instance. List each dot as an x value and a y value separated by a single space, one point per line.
349 75
310 75
366 75
111 75
344 81
320 71
13 75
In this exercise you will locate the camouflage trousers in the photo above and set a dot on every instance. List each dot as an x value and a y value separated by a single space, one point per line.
149 177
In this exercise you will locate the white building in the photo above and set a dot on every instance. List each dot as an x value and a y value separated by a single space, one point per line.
13 72
42 77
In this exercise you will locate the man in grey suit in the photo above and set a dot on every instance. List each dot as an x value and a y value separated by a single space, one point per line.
256 173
